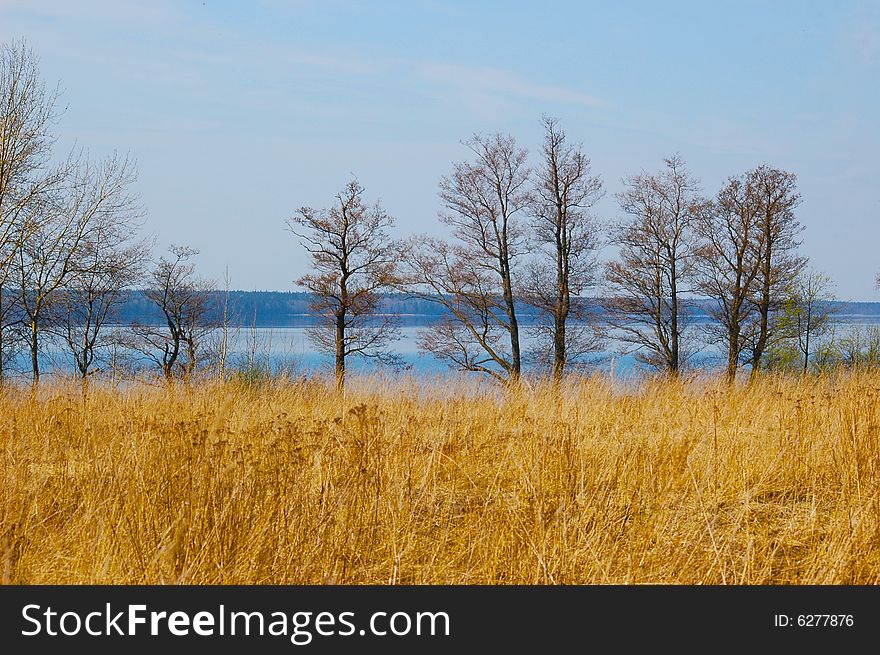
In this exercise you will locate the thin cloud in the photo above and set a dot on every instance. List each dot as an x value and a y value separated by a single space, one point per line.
860 34
92 12
238 52
504 83
866 43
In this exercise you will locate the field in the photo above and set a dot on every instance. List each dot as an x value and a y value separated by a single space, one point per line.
669 482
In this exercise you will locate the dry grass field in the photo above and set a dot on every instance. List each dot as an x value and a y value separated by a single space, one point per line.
691 482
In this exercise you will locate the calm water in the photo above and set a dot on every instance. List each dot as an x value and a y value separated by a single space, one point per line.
289 348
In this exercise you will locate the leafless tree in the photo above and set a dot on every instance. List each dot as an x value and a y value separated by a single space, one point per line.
474 277
110 264
183 300
567 239
655 267
776 196
67 224
728 261
354 259
475 333
27 112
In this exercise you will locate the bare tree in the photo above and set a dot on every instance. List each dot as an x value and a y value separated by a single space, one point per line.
67 224
354 260
27 112
776 197
186 315
567 240
111 263
474 335
473 278
655 265
728 261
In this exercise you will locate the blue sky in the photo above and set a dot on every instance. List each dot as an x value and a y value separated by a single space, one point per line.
240 112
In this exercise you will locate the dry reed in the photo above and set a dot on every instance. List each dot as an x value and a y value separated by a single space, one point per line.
671 482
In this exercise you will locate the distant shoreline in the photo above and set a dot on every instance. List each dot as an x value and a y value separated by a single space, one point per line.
291 309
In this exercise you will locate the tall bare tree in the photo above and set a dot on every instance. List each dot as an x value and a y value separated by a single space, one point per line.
27 112
474 277
110 264
567 240
66 225
655 267
728 261
354 259
776 196
183 300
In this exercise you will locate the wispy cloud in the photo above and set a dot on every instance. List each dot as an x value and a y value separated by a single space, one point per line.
866 42
503 84
861 33
94 12
237 52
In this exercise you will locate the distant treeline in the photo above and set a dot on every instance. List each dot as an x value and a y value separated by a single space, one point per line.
291 308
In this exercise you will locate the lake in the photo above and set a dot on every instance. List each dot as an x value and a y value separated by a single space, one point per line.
290 348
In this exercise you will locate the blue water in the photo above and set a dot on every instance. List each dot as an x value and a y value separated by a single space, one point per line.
289 349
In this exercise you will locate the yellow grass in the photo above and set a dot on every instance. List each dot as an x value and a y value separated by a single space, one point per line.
689 483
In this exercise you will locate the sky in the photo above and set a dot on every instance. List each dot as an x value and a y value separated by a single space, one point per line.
238 113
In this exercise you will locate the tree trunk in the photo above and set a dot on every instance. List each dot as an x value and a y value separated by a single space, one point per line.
563 304
732 353
35 364
674 363
171 358
761 342
516 363
83 362
340 349
764 303
559 354
807 339
341 311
